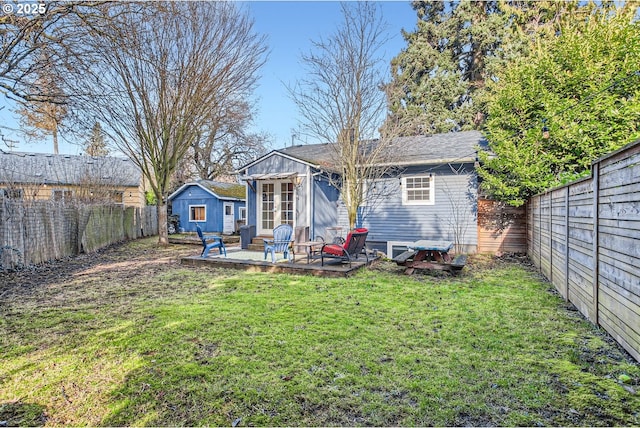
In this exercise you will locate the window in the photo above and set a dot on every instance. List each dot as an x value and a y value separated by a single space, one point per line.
197 213
62 195
227 210
117 197
242 212
395 248
11 193
417 190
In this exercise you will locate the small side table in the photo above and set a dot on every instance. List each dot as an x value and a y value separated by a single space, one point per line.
310 248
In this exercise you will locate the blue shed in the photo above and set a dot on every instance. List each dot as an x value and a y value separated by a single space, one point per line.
216 206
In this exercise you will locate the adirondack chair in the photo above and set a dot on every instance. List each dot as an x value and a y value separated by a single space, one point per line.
282 237
350 250
208 246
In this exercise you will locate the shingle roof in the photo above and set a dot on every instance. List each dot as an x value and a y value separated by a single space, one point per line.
43 168
440 148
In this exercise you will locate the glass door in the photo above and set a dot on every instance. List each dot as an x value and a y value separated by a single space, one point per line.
276 205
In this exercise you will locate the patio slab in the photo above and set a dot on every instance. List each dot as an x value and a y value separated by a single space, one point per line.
253 261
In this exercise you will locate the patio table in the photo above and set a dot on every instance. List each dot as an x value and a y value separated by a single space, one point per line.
430 255
309 248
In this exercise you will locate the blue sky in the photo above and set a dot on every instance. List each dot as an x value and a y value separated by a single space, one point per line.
289 27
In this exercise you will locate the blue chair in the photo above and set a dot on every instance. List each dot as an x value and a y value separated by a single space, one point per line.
207 246
280 242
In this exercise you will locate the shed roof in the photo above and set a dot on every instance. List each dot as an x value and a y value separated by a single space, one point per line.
45 168
219 189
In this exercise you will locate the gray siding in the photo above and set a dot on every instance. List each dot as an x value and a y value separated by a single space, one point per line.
453 215
280 164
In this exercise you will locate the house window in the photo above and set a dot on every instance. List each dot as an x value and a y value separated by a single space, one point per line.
11 193
242 212
395 248
197 213
227 210
418 190
117 197
62 195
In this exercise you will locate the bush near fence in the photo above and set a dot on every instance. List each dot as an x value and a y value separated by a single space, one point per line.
33 232
585 238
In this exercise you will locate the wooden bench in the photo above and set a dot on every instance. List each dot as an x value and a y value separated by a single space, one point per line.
402 258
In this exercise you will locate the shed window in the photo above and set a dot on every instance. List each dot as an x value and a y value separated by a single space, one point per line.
418 190
197 213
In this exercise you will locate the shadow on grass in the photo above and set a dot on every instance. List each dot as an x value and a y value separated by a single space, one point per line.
14 414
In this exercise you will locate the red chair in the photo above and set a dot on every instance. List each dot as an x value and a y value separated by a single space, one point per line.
353 246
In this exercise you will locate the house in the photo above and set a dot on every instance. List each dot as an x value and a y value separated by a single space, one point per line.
430 193
218 207
44 176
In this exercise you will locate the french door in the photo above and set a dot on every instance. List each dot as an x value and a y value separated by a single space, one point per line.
276 203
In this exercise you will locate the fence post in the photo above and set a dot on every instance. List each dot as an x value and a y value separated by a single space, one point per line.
596 221
566 246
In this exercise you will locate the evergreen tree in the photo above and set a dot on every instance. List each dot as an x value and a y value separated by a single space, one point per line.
96 145
439 79
583 85
436 77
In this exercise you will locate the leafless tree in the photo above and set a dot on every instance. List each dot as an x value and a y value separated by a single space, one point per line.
41 38
341 102
156 77
225 143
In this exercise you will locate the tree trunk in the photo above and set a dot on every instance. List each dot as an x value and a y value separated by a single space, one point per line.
55 139
163 235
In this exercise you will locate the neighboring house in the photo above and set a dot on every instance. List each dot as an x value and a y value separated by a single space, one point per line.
431 193
218 207
43 176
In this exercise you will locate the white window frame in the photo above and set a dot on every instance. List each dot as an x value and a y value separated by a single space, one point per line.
430 201
242 213
391 244
191 219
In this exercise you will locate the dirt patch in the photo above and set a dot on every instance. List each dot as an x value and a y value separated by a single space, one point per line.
121 262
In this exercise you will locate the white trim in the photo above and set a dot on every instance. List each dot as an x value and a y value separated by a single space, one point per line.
209 191
242 214
191 220
273 153
231 207
432 193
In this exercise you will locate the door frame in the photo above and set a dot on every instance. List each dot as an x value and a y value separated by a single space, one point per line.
276 203
225 216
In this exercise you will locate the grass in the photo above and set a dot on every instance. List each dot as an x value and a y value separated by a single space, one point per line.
130 337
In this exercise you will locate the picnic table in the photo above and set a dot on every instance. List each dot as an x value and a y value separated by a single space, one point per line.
430 255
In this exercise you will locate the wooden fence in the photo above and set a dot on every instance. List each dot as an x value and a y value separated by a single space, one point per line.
34 232
501 227
585 238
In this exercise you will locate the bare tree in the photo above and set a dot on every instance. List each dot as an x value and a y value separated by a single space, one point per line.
341 102
225 144
155 78
39 38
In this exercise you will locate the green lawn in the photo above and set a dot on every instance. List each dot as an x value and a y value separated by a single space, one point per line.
130 337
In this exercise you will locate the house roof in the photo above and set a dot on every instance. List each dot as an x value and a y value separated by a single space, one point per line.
452 147
45 168
218 189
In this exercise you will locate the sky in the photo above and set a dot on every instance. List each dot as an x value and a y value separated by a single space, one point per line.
289 26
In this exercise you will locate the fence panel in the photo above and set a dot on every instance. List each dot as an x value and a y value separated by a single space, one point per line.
585 238
501 228
619 247
33 232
